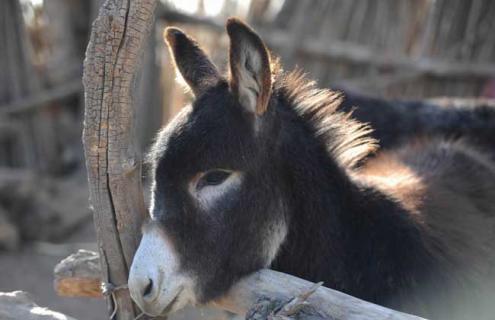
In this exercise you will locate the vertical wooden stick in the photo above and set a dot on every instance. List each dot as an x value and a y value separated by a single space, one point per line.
112 157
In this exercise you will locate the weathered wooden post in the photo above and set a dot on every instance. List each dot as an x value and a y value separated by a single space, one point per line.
113 159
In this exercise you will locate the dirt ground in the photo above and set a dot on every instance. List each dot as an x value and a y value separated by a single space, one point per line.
31 270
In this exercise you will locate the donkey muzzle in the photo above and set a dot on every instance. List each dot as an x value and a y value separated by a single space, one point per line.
155 282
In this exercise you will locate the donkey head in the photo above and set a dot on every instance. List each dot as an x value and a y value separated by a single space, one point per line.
217 210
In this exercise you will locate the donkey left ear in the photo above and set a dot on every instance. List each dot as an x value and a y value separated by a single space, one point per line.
250 74
192 62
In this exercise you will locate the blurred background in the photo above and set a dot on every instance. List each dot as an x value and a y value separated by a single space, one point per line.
399 49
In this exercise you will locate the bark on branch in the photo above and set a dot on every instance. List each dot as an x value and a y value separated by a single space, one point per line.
78 275
112 156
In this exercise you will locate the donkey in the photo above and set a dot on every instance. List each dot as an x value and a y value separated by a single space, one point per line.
264 170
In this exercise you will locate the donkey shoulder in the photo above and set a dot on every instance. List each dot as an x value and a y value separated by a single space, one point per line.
447 189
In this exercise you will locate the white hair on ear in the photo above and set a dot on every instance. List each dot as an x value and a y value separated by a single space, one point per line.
179 79
249 82
250 67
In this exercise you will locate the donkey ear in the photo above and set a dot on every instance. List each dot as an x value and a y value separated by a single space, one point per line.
250 74
196 68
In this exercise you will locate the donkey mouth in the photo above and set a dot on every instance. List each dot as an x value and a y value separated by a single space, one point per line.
153 310
170 307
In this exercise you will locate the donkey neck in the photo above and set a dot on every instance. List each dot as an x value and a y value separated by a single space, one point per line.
342 232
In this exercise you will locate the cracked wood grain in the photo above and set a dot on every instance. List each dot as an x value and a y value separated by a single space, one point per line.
113 161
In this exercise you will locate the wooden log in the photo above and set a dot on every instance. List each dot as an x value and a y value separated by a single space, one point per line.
78 275
62 41
42 98
117 40
18 78
331 303
361 54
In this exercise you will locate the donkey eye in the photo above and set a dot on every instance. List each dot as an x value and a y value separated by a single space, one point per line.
213 178
210 186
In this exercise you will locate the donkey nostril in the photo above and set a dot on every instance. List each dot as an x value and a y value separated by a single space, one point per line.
148 288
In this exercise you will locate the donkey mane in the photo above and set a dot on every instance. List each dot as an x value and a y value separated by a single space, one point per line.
347 140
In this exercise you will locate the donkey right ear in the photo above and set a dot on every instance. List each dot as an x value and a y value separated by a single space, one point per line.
250 73
195 67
